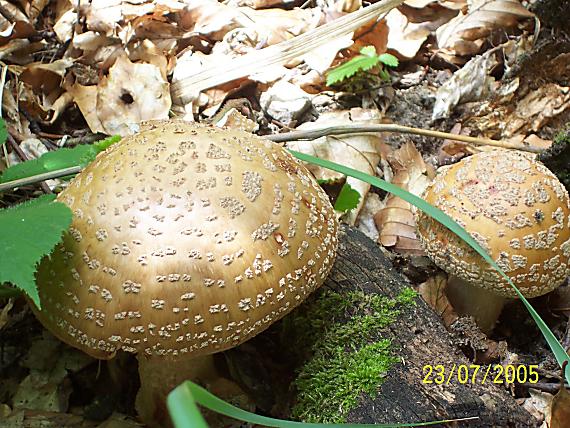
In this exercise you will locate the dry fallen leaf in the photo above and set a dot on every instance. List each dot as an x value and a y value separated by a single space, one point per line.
45 77
538 405
373 33
49 363
560 409
86 99
130 94
185 90
211 19
277 25
537 108
465 34
407 36
433 292
472 82
14 118
285 102
395 222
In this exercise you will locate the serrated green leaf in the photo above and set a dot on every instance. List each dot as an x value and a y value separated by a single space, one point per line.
368 51
350 68
30 231
388 59
347 199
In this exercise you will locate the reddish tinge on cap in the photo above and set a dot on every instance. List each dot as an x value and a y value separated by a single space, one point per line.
515 208
186 239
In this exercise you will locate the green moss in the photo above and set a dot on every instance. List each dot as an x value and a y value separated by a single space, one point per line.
340 332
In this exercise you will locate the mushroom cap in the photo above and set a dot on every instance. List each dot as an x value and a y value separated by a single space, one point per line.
186 239
515 208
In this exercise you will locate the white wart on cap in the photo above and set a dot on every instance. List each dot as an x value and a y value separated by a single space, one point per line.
515 208
186 239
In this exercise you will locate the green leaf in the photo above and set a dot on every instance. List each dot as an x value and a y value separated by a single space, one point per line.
347 199
106 142
58 159
182 402
558 350
29 232
368 51
3 131
388 59
384 75
350 68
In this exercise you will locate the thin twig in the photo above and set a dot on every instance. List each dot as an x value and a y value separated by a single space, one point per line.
16 147
304 135
85 139
351 129
552 388
40 177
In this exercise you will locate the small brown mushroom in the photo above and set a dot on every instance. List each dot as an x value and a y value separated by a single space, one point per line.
186 240
518 211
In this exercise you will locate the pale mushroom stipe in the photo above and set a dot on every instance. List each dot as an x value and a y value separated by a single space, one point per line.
518 211
186 240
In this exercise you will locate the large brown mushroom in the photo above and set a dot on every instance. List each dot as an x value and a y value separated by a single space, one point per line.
518 211
186 240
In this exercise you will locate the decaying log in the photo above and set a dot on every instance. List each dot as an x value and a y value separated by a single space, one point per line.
419 338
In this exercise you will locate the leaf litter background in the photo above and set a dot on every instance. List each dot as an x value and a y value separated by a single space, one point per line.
73 71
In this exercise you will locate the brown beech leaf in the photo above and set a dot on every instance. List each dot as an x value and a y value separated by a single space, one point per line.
538 108
44 77
131 93
411 24
464 34
405 38
395 222
433 292
560 409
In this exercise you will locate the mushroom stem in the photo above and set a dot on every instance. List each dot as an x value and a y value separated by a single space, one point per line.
159 377
469 300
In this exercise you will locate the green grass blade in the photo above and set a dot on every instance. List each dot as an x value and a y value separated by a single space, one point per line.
559 352
3 132
183 409
182 402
